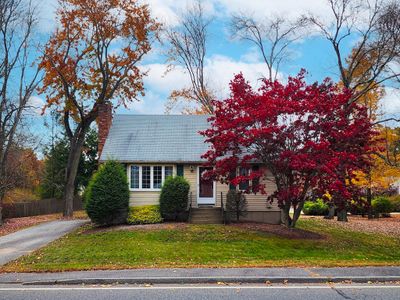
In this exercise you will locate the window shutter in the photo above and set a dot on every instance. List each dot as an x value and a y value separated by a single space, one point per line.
179 170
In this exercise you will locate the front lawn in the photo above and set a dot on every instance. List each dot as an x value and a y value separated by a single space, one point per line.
212 246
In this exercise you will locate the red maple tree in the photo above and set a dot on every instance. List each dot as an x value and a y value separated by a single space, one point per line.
308 137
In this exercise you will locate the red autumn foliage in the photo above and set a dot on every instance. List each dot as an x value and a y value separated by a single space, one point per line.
308 136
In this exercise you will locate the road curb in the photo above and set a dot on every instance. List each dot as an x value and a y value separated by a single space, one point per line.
213 280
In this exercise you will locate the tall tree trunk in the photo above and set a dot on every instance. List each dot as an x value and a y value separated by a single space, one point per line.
2 193
341 203
71 172
296 214
369 193
285 215
369 201
1 208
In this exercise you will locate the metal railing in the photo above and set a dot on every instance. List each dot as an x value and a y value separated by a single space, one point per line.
189 205
222 208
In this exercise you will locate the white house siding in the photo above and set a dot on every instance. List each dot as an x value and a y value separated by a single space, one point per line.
258 202
191 177
144 198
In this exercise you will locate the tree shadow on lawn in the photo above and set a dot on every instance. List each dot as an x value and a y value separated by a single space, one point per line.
281 231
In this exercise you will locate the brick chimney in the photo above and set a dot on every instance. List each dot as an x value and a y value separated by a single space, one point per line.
104 120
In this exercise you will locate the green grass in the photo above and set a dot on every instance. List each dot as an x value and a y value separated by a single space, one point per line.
211 246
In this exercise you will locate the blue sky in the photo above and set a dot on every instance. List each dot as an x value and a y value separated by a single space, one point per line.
225 57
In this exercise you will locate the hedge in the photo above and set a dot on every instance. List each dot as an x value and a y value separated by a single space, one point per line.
381 205
315 208
395 200
174 198
107 195
146 214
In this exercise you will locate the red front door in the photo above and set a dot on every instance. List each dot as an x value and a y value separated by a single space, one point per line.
206 188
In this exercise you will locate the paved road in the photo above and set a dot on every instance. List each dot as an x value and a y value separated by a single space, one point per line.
27 240
202 292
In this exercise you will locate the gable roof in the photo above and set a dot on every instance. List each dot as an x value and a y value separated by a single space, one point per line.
156 138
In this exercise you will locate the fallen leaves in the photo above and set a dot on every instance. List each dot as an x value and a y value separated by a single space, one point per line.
388 226
15 224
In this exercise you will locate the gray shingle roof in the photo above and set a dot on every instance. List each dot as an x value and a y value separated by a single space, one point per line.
156 138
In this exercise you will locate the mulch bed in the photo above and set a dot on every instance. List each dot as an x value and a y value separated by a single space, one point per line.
264 228
282 231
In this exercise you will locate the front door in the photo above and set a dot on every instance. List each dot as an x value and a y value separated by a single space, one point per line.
206 188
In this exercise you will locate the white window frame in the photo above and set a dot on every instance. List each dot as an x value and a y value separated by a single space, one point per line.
151 189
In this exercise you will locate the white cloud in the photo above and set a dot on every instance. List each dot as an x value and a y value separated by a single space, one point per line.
219 70
46 10
160 81
151 104
260 9
167 11
390 104
35 105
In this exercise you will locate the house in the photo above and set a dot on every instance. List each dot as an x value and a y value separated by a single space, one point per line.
152 147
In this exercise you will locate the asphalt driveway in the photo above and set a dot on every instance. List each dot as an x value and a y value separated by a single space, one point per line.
27 240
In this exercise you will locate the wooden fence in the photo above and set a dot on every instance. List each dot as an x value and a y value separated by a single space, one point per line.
39 207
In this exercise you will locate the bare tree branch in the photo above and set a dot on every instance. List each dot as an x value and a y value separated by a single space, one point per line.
271 37
188 45
18 79
376 26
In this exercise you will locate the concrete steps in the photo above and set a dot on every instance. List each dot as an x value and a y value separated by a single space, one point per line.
206 215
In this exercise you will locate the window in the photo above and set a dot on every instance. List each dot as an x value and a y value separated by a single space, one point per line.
148 177
157 177
244 185
135 177
168 171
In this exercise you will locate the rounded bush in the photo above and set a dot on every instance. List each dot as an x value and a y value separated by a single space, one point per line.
316 208
382 205
359 207
146 214
395 200
174 197
107 195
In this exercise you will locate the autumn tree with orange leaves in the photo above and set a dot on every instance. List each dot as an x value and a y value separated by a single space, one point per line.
91 60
